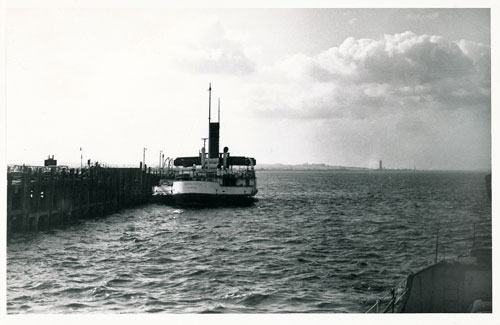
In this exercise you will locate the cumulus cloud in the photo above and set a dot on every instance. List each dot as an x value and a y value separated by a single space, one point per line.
480 55
405 98
422 15
395 72
212 51
394 58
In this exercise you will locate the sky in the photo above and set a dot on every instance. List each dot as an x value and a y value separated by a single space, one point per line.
345 87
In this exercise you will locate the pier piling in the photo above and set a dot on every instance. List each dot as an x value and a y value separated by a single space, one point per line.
43 197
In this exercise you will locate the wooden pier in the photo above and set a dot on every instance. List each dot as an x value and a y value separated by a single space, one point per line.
43 197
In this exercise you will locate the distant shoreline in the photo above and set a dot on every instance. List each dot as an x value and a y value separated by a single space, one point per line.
361 169
303 167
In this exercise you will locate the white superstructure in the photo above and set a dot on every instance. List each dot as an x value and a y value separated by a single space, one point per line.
210 177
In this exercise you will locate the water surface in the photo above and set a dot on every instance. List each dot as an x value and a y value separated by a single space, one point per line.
320 242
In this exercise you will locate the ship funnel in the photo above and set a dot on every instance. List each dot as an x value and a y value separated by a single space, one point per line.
213 131
213 140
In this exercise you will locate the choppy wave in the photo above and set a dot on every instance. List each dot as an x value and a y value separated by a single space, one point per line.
315 242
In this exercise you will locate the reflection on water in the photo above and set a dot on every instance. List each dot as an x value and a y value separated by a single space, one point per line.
314 242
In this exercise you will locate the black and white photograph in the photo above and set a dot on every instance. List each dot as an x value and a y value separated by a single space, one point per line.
241 160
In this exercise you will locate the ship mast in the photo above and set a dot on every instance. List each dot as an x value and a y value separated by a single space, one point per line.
209 100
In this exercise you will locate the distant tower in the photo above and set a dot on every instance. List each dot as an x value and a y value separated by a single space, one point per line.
380 165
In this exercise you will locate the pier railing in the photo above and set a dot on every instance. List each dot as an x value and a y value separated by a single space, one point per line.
41 197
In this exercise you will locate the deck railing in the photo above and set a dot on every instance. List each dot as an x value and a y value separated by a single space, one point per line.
389 302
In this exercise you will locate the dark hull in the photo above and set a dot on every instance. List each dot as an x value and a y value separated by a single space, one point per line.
205 200
448 288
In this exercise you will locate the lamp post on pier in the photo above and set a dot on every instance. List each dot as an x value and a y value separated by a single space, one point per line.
159 163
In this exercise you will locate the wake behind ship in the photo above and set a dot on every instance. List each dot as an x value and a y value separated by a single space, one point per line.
211 178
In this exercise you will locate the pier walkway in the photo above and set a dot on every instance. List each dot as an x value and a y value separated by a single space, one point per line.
42 197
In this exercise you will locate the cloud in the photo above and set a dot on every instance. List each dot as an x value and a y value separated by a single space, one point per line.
210 50
423 15
361 78
394 58
352 21
409 99
480 55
